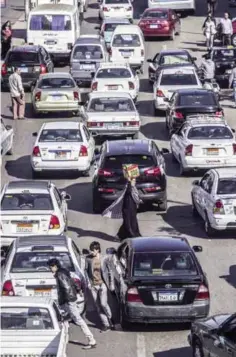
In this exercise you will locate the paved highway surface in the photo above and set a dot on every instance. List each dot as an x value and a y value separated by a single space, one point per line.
219 255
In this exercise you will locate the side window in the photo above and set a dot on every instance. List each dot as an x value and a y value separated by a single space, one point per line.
87 134
209 183
58 315
122 254
204 180
57 196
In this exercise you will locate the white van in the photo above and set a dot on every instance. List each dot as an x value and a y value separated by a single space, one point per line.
55 27
31 4
127 44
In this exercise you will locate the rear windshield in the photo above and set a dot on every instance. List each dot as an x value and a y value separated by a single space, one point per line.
61 135
25 318
224 53
174 59
37 261
163 264
179 79
210 132
54 83
113 73
116 2
111 105
126 40
117 162
23 57
197 100
26 202
112 27
87 52
227 186
156 14
50 23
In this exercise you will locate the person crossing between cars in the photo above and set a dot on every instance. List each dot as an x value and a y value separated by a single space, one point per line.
99 278
67 297
208 68
209 29
232 82
17 94
227 29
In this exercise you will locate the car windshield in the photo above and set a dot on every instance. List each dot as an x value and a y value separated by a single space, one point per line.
163 264
37 261
111 105
156 14
117 162
87 52
26 202
206 99
112 27
113 73
23 57
56 83
116 2
25 318
126 40
210 132
224 53
178 79
61 135
178 58
227 186
50 23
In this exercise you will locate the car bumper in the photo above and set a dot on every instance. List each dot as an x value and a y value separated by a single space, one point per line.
136 312
122 15
160 104
56 232
39 165
55 106
155 33
207 163
227 222
159 196
60 56
113 132
132 93
133 62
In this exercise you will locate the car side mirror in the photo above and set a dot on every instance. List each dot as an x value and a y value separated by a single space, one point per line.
81 103
150 60
97 28
165 151
65 196
197 248
233 130
8 127
35 134
111 251
195 183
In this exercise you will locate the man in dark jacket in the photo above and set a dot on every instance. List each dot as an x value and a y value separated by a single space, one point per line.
67 297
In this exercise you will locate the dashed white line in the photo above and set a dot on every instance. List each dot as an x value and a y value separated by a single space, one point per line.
141 345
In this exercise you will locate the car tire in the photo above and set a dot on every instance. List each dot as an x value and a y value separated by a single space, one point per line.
97 207
197 349
194 209
211 232
172 36
163 205
182 172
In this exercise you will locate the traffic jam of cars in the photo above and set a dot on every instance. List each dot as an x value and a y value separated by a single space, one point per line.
97 127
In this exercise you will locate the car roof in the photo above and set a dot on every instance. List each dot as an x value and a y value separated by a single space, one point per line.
88 39
152 244
17 186
123 147
226 172
27 301
54 8
116 20
109 95
48 240
55 75
174 69
62 125
25 48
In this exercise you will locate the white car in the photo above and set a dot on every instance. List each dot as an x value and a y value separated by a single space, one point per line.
32 208
117 77
112 114
188 6
108 27
6 137
62 146
116 8
26 272
204 144
214 199
172 79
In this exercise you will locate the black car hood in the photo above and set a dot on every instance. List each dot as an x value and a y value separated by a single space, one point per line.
212 323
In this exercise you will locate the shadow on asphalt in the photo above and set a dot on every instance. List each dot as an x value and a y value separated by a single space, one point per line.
175 352
92 20
145 86
145 108
155 130
231 278
95 234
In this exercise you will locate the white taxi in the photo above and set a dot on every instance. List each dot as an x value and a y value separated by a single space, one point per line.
32 208
116 8
6 137
117 77
62 146
112 114
172 79
214 199
204 143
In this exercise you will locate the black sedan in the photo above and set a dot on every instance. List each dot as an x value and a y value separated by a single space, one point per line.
215 336
159 280
168 58
187 102
225 61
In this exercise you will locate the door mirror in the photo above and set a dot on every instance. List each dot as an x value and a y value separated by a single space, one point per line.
233 130
35 134
97 28
111 251
195 183
165 151
197 248
8 127
65 196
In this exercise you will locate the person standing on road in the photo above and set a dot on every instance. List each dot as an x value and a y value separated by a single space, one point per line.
232 83
17 94
227 29
211 6
67 297
6 38
209 31
208 68
100 278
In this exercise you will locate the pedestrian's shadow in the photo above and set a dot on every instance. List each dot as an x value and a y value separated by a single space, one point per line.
89 233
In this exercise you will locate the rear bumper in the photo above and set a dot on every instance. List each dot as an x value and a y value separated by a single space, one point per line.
60 56
53 165
148 197
160 104
56 232
108 132
156 33
209 162
113 14
223 223
55 106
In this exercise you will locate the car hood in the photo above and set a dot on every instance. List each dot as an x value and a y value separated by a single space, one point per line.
112 116
214 322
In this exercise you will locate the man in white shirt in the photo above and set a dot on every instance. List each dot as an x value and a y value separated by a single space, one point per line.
227 29
17 94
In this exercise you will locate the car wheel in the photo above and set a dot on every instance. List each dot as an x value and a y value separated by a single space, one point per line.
197 349
194 209
211 232
172 36
97 208
234 40
163 205
125 325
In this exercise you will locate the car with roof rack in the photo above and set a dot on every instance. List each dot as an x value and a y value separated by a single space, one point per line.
203 143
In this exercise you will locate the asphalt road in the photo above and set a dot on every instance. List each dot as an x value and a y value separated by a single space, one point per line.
219 255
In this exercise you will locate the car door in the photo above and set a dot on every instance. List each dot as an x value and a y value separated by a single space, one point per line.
223 343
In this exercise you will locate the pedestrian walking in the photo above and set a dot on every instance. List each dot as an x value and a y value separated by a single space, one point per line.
226 29
6 38
17 94
232 83
211 6
100 279
209 30
67 297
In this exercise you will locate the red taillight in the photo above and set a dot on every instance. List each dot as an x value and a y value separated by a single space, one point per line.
178 115
152 189
234 149
218 207
133 295
156 171
37 96
43 69
189 150
93 124
36 151
105 9
4 69
159 93
77 283
131 85
142 52
203 293
165 24
95 86
7 289
54 223
105 173
83 151
106 190
76 95
219 114
131 123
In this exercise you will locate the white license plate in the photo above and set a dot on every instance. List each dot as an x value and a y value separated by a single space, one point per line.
42 293
126 54
24 70
112 87
56 97
162 297
154 26
87 66
212 152
24 229
61 155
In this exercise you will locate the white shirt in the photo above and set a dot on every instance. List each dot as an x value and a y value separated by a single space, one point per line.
227 28
15 84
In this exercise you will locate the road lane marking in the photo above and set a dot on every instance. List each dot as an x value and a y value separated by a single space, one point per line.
141 346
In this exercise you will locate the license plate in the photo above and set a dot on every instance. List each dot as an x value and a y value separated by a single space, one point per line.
50 43
87 66
114 126
126 54
163 297
56 97
61 155
24 70
112 87
24 228
154 26
42 292
212 151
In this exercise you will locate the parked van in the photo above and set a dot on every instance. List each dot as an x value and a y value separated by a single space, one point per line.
56 28
31 4
127 44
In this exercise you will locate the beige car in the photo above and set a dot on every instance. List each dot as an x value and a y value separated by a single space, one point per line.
56 92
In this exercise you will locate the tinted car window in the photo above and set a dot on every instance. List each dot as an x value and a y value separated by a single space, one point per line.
116 162
26 201
178 79
25 318
50 23
24 57
114 73
126 40
174 59
207 99
47 83
209 132
163 264
227 186
224 53
112 27
61 135
111 105
38 261
87 52
156 14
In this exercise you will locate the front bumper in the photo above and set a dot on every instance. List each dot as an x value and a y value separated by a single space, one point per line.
56 106
223 222
39 165
191 163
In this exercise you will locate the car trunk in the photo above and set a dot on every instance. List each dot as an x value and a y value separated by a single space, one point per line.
116 84
211 149
54 95
169 90
113 120
155 24
28 70
57 151
52 41
117 9
191 110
